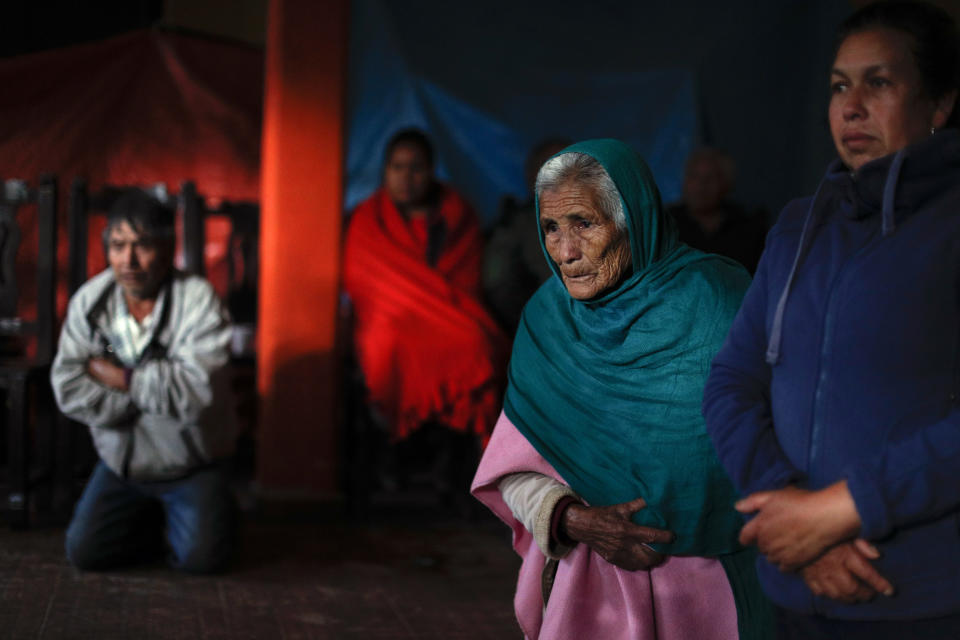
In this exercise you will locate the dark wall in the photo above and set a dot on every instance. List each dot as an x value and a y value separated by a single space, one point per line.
761 66
33 25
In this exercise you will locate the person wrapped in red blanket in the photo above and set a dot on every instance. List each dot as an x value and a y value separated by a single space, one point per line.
429 351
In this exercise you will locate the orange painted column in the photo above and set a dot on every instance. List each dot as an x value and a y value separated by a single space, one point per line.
301 214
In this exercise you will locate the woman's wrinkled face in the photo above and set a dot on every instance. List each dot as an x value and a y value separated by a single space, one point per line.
592 253
878 104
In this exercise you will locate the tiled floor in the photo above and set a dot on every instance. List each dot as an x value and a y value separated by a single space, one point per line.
411 578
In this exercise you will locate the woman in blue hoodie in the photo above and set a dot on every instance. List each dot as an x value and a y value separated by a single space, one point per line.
834 401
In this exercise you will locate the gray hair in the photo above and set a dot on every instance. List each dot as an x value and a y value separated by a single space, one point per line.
585 171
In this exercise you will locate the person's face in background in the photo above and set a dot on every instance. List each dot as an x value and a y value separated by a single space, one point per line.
408 175
704 185
878 104
139 263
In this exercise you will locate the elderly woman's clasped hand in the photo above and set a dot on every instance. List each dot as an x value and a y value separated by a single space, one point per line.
610 532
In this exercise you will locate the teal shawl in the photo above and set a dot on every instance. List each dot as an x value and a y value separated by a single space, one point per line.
609 390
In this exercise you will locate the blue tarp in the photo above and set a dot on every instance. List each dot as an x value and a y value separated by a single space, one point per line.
481 149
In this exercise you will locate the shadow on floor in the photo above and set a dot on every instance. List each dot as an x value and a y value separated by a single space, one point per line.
401 573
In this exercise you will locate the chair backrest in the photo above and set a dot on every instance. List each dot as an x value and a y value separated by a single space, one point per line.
242 250
15 197
82 205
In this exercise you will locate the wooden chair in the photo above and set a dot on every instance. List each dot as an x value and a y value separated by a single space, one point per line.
243 249
240 298
28 345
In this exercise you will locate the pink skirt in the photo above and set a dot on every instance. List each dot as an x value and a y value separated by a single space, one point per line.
684 598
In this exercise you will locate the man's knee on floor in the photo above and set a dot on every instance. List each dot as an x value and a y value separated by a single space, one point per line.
202 539
83 550
209 554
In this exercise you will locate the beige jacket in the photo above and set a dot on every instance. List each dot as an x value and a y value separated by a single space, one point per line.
178 412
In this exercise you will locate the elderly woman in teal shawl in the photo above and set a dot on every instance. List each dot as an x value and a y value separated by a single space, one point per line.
600 462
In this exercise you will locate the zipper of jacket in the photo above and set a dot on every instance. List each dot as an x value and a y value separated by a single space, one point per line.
955 389
823 377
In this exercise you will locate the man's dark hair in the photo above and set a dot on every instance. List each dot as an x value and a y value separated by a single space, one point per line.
146 215
413 138
934 42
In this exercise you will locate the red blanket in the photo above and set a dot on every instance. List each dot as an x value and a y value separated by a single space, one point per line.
428 349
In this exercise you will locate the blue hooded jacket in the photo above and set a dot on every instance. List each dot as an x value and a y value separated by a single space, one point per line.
844 362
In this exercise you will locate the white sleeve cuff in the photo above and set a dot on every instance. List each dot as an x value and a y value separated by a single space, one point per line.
532 498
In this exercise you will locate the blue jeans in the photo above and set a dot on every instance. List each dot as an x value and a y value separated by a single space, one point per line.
118 522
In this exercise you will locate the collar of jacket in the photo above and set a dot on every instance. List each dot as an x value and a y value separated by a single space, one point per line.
928 167
100 320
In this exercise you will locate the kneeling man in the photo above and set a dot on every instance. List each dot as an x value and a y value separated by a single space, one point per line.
141 362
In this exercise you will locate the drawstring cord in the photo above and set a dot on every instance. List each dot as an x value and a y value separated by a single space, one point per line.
887 214
776 331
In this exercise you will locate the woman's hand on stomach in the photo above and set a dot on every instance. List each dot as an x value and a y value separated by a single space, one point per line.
844 573
610 532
